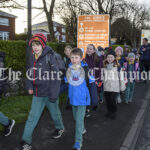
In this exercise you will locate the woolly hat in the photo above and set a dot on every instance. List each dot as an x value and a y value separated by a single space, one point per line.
40 38
131 55
100 48
119 49
111 52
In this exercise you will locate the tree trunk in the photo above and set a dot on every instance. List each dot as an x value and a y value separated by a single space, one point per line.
28 48
51 30
49 15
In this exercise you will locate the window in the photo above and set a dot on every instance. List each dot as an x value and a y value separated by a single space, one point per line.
4 21
63 38
63 30
4 35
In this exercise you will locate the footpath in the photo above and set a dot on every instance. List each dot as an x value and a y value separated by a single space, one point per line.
143 142
102 133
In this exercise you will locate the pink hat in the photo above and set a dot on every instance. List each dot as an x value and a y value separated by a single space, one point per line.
119 49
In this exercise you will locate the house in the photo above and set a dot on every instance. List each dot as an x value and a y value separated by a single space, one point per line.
59 30
7 26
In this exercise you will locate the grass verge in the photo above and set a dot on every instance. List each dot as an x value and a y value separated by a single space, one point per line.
18 107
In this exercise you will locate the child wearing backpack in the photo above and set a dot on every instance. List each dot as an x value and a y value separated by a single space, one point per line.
43 88
95 63
131 67
120 59
7 123
79 95
112 84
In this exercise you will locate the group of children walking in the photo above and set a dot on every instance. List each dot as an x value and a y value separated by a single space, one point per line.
87 80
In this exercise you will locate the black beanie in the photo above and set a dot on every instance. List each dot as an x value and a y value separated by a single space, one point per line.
111 52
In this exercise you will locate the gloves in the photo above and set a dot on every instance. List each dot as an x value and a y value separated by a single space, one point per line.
99 84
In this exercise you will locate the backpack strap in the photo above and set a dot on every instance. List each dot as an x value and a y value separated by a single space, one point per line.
48 58
65 60
136 66
126 65
86 69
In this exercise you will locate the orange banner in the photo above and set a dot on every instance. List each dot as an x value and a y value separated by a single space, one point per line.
93 29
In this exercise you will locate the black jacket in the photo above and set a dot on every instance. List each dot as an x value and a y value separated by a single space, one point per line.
39 77
145 55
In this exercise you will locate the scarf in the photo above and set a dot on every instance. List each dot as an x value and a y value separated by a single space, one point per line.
110 66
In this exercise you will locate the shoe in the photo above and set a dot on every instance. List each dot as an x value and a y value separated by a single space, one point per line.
95 108
84 131
24 146
126 103
87 113
119 100
101 101
9 127
58 133
68 107
77 146
130 100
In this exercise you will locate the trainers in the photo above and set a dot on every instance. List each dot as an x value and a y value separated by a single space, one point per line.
126 102
24 146
95 108
9 127
84 131
130 100
87 113
58 133
68 107
119 100
101 101
77 146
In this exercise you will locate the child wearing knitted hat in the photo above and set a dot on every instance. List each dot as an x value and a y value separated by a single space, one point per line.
120 59
131 67
42 91
112 84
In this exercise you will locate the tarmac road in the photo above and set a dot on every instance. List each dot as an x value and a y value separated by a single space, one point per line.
102 133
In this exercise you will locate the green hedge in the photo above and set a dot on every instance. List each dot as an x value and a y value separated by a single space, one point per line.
114 46
16 52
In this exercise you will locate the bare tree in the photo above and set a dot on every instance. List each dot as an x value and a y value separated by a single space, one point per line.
49 16
48 9
111 7
11 4
69 10
139 17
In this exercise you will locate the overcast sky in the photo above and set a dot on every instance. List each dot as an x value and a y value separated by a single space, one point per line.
21 21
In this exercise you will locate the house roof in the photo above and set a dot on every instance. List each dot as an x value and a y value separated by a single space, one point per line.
45 24
2 13
40 30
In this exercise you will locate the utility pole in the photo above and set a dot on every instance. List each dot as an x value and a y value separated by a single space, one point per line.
29 34
29 19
